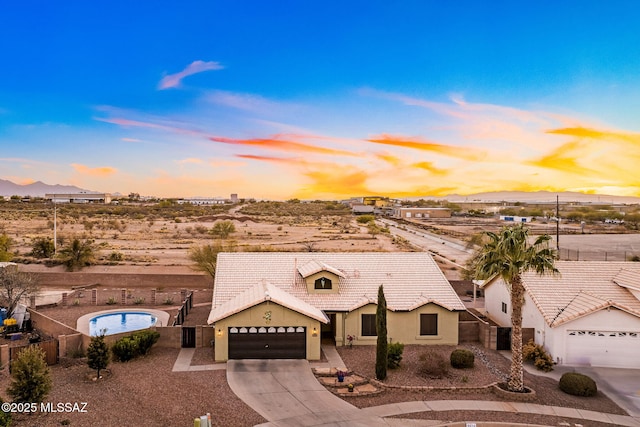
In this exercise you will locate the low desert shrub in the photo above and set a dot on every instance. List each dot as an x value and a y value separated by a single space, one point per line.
138 301
433 365
111 301
135 345
577 384
394 355
168 301
535 352
124 349
145 340
462 359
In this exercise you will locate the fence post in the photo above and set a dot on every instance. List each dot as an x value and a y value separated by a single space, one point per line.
123 294
64 299
153 296
94 297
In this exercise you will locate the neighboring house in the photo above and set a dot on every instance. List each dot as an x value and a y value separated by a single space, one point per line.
587 315
280 305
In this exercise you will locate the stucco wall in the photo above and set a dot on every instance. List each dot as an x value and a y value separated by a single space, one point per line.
404 326
255 316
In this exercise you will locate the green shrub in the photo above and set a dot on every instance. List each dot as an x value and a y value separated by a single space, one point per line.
5 417
124 349
394 355
535 352
111 301
462 359
578 384
31 377
433 365
135 345
138 301
144 341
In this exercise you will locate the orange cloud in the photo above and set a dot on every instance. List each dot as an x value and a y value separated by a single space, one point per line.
564 158
421 144
101 171
395 161
174 80
279 144
428 166
582 132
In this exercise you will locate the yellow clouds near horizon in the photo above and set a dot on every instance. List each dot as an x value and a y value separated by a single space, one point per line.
467 153
99 171
594 160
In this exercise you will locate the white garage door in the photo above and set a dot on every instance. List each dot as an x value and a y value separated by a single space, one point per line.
603 348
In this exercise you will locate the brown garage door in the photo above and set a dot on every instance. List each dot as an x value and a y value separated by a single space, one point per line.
267 343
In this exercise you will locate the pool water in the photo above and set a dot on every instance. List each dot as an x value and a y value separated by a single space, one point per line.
115 323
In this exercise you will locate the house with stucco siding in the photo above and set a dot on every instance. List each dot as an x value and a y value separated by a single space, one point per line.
281 305
589 314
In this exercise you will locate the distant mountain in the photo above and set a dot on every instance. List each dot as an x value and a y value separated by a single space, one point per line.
36 189
538 196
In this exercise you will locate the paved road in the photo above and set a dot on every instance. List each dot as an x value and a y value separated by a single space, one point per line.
286 393
448 248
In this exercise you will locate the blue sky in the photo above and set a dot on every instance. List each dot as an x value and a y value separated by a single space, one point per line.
321 99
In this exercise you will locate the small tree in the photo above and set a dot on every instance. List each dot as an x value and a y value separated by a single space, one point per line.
223 229
98 354
381 329
6 243
77 254
15 284
31 377
42 247
205 257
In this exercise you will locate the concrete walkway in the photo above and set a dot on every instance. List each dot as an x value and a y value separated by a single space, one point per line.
183 363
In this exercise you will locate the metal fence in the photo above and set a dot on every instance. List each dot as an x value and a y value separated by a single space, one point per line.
578 255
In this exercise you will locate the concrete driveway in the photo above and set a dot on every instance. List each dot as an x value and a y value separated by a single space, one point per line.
620 385
286 393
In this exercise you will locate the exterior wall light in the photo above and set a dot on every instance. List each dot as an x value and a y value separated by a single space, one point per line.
219 332
314 333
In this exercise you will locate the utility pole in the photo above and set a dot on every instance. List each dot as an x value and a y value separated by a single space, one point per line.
558 224
55 228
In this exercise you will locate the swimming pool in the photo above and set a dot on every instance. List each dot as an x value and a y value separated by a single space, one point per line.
118 322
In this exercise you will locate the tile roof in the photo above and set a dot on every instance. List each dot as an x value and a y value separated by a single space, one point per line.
629 279
583 287
259 293
313 267
410 279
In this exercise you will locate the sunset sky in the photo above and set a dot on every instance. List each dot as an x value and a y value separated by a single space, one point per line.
321 100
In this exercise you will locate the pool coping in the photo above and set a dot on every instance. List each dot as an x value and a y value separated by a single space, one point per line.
82 324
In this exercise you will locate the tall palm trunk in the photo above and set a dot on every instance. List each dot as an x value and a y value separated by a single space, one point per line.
516 380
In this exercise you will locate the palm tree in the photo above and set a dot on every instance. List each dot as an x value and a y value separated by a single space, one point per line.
509 254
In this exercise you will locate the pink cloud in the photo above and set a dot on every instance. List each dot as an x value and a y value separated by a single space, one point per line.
174 80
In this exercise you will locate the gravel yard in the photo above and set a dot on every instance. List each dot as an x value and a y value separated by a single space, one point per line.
489 367
140 392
